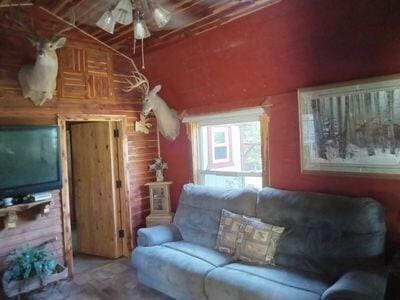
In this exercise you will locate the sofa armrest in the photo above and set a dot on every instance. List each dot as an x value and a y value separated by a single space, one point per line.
157 235
358 285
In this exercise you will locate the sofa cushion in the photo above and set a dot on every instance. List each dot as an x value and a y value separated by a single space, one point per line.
175 273
324 233
244 281
208 255
199 210
257 241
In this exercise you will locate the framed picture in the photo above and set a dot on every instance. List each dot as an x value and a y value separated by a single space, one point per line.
352 127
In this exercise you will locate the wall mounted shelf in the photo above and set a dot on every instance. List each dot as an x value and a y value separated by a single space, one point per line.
10 216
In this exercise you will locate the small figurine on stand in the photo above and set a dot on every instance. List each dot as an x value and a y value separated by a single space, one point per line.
159 166
160 204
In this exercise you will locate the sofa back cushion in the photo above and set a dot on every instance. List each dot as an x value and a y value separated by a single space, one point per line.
324 233
199 210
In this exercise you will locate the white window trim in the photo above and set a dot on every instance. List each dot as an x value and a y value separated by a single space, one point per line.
238 116
243 115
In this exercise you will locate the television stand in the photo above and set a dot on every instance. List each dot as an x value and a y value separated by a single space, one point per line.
10 216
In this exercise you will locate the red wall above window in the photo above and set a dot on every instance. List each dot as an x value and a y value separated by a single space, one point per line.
267 56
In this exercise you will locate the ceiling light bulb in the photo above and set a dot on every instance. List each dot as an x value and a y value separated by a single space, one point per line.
106 22
161 16
122 13
140 30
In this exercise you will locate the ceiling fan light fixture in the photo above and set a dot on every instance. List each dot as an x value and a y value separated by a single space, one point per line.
107 22
140 30
161 16
122 13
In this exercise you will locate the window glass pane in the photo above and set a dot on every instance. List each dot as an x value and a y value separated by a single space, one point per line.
219 137
223 181
240 152
233 181
252 158
254 182
251 147
221 153
232 152
251 132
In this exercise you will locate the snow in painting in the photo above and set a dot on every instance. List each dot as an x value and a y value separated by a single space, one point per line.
355 129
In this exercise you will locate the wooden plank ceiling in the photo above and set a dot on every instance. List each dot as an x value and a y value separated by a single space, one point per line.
189 17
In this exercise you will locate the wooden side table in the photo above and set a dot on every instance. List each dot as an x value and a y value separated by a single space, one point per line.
160 204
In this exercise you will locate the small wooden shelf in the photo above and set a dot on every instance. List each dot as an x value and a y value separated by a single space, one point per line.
160 207
10 216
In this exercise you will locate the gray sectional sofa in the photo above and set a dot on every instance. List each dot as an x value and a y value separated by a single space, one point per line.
332 248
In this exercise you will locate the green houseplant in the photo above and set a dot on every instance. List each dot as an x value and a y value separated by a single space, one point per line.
31 268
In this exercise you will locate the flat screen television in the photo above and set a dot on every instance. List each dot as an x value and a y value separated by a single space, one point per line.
29 160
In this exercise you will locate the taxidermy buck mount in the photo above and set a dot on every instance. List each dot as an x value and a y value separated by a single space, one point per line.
38 80
167 118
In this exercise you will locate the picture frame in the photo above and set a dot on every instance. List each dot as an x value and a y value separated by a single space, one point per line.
351 128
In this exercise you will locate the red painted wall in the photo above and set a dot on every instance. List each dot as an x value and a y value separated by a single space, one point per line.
271 53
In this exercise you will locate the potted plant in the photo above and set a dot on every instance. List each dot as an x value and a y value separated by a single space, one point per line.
31 268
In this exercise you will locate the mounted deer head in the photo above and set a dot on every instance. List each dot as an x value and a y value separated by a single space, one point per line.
38 80
167 119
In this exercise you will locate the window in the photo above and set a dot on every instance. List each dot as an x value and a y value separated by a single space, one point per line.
227 149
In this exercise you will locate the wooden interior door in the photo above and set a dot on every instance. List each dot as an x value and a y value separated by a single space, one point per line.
97 204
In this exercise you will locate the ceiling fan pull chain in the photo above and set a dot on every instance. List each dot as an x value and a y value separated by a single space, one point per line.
143 66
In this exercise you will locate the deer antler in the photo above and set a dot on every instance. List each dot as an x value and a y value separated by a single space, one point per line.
140 81
71 25
27 31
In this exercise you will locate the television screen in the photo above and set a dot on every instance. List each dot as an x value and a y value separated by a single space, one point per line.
29 160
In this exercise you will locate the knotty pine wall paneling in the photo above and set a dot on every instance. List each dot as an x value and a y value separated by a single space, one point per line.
90 79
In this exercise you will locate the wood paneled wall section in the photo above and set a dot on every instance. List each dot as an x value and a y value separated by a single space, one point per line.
34 228
102 100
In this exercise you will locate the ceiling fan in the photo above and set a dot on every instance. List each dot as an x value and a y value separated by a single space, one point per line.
135 12
146 16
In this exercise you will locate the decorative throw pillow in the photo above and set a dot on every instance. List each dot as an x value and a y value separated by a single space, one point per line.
257 241
229 226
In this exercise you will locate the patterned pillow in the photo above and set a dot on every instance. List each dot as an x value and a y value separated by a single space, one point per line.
229 226
257 241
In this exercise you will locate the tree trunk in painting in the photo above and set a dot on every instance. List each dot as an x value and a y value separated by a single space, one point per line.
368 130
331 121
390 104
341 136
352 120
379 129
346 130
358 117
318 127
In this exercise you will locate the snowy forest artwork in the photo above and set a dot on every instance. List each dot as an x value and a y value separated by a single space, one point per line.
351 128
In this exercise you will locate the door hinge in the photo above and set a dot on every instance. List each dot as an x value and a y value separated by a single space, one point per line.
116 133
119 184
121 233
